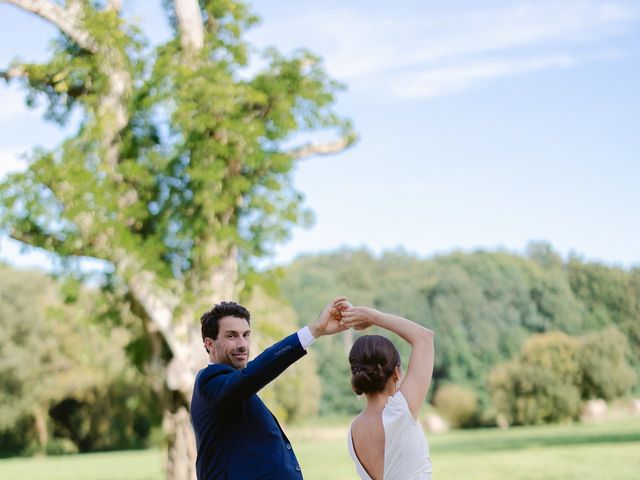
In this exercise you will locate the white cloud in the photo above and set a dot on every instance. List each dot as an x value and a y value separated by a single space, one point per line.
375 49
443 81
440 81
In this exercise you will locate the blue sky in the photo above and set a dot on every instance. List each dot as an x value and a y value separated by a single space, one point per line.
483 124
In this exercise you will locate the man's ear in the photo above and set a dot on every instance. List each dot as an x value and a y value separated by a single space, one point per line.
209 344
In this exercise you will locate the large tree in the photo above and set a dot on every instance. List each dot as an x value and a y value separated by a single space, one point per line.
180 170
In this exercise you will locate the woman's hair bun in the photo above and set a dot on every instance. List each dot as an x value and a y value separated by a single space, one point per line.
373 358
368 378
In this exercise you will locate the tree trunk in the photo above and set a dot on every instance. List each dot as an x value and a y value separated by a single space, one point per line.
347 341
41 429
181 445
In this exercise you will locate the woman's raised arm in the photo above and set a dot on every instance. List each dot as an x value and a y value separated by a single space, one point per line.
416 382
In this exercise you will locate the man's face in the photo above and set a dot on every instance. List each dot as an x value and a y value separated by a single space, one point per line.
232 345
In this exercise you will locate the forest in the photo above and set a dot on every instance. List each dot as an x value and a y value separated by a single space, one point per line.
525 338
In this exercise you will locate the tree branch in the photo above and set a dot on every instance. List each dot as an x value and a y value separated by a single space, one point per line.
114 5
48 243
74 7
67 21
13 72
155 307
18 71
330 148
190 24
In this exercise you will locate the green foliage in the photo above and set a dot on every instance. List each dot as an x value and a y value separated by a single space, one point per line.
553 373
116 416
482 306
606 373
458 404
333 369
27 344
61 446
19 438
61 369
308 284
295 394
202 158
227 175
542 384
610 296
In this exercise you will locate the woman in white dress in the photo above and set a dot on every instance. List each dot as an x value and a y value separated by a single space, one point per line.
386 440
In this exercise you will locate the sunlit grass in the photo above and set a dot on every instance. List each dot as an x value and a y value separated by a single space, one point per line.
586 452
560 452
129 465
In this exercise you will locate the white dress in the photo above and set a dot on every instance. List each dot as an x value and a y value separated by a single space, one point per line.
406 451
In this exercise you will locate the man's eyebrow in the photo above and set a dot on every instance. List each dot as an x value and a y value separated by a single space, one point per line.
237 331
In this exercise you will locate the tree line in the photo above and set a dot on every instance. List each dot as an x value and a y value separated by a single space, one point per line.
484 307
522 338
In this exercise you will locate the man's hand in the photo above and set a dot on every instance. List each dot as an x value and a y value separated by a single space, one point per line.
330 320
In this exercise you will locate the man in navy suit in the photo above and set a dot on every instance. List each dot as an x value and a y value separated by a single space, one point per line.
237 437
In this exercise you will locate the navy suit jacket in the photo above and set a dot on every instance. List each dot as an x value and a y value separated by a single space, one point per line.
237 436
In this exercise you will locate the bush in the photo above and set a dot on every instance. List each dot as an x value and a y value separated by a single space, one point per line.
606 373
541 385
61 446
19 439
458 404
553 373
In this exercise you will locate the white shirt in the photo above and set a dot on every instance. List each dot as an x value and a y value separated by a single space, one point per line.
305 337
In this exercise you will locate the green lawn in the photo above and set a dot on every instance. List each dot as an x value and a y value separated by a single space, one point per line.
586 452
130 465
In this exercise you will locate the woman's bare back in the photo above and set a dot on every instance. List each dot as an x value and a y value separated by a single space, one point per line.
367 434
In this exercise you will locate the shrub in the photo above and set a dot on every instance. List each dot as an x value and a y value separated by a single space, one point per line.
61 446
458 404
606 373
541 385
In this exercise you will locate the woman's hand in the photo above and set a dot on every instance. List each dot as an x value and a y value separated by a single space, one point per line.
360 318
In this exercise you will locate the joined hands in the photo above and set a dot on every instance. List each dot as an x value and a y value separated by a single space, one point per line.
339 315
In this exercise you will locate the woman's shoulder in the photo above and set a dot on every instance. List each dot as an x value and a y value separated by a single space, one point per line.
355 421
397 409
397 401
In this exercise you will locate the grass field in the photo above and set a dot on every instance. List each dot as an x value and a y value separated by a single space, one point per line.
561 452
